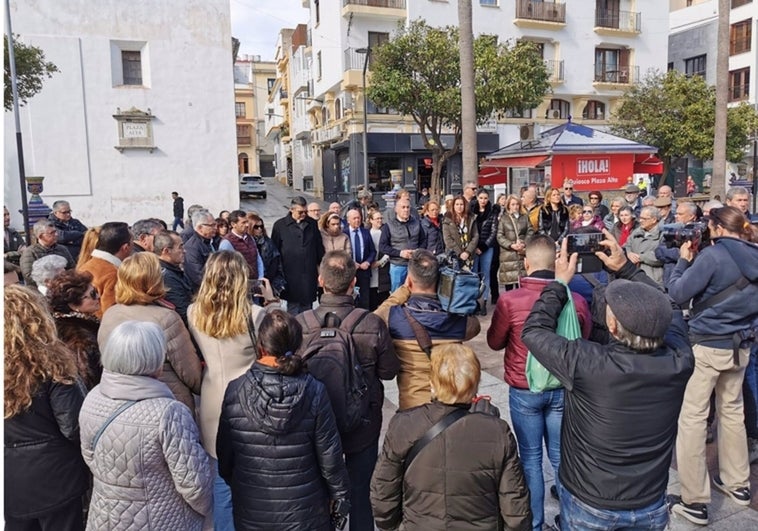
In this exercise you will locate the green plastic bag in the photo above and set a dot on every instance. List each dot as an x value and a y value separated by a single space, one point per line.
537 376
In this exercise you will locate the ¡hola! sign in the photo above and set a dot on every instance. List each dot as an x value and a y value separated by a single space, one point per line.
593 172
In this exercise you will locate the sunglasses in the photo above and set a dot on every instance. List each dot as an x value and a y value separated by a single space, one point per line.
257 226
568 188
587 211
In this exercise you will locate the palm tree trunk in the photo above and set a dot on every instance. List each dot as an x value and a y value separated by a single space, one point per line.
718 182
468 101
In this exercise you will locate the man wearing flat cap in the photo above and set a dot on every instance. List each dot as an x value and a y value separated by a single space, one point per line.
622 398
633 199
663 204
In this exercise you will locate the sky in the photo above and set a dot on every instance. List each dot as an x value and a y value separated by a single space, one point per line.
256 23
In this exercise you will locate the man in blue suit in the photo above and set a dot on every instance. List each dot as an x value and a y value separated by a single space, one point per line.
364 254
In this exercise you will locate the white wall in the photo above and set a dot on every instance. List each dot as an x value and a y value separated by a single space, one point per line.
69 132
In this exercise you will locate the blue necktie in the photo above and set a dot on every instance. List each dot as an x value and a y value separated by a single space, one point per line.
356 246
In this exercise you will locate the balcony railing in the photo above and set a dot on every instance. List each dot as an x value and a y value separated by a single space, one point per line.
620 20
243 140
620 74
538 10
555 68
394 4
354 60
324 135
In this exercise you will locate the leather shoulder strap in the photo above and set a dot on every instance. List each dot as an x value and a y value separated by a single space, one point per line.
443 424
422 336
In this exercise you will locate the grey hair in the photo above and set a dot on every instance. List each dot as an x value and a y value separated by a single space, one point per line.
145 226
200 216
135 348
41 225
734 191
633 341
692 207
618 199
651 211
60 203
648 200
710 205
47 268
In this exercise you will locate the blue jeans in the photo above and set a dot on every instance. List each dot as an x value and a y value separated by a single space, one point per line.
223 519
537 416
178 222
360 468
482 266
577 515
397 276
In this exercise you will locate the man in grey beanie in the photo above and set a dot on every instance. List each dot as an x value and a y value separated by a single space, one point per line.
622 398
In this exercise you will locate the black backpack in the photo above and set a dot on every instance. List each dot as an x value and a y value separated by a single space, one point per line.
331 358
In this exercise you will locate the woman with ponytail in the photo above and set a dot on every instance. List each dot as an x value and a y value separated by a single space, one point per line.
278 446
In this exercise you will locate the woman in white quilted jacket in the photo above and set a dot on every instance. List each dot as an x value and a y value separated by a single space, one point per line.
141 444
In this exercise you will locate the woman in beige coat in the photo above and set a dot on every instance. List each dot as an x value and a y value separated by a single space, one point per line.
512 232
331 233
139 297
223 323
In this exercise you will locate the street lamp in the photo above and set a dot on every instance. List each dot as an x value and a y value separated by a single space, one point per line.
367 52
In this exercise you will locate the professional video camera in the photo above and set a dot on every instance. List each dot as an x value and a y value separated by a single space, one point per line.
675 234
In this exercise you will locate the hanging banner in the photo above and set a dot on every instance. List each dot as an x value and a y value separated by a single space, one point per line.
593 171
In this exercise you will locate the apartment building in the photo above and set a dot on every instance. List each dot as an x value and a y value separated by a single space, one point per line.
253 82
594 50
693 41
141 107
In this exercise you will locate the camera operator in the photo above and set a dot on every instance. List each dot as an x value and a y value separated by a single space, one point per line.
723 285
668 254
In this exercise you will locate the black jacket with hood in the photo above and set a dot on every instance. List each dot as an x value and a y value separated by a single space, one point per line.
279 449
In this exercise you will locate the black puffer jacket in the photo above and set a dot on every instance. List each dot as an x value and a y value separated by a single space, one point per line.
486 224
468 478
434 241
272 263
279 449
44 469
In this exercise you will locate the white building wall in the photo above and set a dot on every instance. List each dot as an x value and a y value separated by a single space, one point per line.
69 132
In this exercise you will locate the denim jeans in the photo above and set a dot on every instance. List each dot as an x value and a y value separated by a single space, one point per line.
482 265
397 276
537 416
577 515
360 468
223 519
178 222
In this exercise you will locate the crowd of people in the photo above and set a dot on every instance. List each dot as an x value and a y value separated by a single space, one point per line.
157 379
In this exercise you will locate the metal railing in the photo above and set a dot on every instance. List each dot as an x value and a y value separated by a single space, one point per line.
538 10
555 68
394 4
621 74
621 20
354 60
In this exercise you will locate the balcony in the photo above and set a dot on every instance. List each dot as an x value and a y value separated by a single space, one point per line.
244 140
326 135
540 15
555 69
609 75
387 9
353 68
614 22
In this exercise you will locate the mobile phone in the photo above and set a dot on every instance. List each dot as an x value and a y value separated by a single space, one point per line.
587 243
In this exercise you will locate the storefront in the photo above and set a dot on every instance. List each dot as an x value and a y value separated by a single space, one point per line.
592 159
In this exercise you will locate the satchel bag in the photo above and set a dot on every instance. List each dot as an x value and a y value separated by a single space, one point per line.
537 376
458 291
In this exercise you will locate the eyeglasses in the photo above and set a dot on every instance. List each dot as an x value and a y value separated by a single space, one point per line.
314 210
568 188
257 226
587 211
64 212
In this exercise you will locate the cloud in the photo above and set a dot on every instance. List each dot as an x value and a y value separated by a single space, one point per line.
257 23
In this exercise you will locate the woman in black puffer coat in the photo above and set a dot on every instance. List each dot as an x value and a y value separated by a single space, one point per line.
272 259
278 446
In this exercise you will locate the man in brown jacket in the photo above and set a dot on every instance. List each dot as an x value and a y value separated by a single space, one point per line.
113 245
419 296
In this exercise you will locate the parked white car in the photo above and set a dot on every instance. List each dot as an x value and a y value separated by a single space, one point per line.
252 185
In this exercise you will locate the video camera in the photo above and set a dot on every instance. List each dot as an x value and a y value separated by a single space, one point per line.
675 234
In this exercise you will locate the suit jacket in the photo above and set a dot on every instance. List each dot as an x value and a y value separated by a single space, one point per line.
367 254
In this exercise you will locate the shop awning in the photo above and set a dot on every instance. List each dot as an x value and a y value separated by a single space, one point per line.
529 161
646 163
489 176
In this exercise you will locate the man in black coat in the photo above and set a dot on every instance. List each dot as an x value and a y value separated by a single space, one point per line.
169 247
199 247
70 230
364 254
178 210
622 398
299 242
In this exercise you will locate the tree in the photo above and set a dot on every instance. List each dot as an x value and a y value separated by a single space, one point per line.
417 73
31 70
676 114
